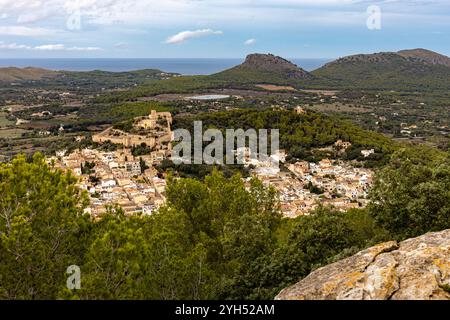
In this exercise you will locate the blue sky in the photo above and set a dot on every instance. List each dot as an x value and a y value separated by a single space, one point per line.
217 28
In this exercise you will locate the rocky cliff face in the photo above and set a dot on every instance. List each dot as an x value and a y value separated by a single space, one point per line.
415 269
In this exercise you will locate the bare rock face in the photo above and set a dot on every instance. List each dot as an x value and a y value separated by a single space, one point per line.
415 269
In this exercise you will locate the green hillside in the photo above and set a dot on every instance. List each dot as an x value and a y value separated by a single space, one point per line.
389 71
300 133
25 74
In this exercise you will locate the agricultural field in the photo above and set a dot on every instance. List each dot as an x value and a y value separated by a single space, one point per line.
340 107
4 122
11 133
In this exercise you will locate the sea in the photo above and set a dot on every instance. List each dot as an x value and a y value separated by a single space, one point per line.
181 66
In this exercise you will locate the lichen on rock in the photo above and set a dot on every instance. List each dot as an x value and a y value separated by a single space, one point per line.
414 269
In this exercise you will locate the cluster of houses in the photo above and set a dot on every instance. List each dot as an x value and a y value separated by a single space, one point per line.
132 182
119 177
115 178
306 185
329 183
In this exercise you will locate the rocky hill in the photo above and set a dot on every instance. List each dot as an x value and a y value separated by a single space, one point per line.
264 68
407 70
274 64
426 56
411 70
419 56
24 74
417 268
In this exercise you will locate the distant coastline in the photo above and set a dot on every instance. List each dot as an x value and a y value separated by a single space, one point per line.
200 66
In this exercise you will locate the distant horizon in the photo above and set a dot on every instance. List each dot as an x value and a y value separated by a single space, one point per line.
224 58
161 58
184 66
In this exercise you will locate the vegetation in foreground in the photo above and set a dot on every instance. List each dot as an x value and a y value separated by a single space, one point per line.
213 239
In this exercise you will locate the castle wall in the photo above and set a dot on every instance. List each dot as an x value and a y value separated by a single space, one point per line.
133 140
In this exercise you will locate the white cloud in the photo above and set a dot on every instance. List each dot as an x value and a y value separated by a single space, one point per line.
45 47
19 4
181 13
84 49
14 46
30 17
120 45
250 42
186 35
118 20
24 31
50 47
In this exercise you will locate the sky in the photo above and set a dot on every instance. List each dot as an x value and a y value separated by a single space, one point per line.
219 28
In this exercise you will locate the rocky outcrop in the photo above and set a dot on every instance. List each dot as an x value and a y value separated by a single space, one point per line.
274 64
415 269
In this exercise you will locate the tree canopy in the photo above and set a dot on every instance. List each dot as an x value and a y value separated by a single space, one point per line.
411 195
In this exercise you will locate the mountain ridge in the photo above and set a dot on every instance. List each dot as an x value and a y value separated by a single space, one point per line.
416 55
411 70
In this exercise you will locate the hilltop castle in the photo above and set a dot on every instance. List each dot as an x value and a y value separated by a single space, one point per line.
151 121
154 130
